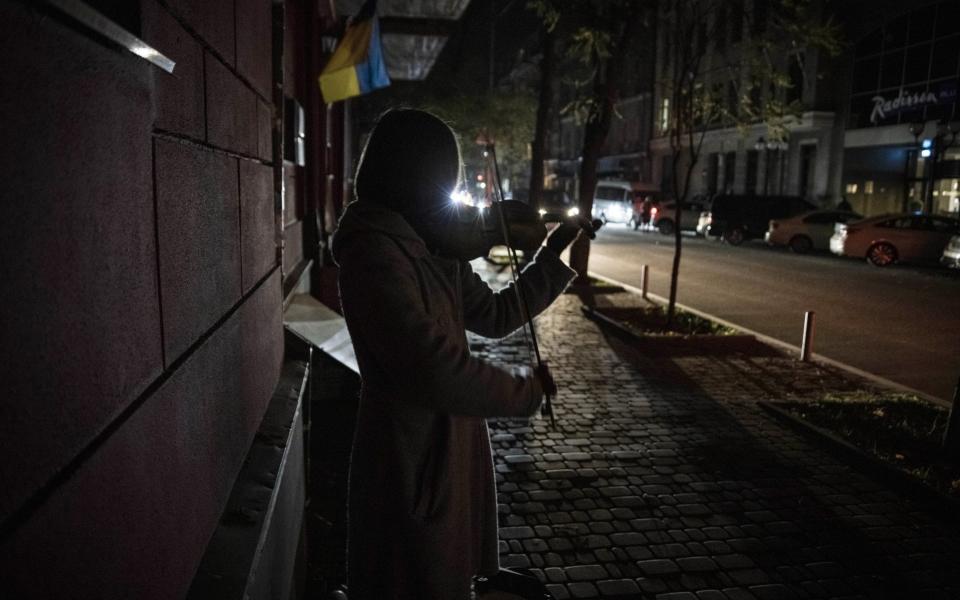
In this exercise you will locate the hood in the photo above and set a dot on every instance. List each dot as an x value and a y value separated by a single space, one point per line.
362 218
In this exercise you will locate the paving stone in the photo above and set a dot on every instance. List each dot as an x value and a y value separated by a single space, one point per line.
558 591
658 567
555 574
627 539
618 588
519 561
511 533
583 590
586 573
749 576
772 592
696 564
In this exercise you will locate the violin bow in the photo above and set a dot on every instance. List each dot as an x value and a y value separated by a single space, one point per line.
514 270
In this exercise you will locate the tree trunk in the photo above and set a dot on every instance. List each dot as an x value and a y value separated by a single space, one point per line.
544 107
605 90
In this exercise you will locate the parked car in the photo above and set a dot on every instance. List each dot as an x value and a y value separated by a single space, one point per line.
808 231
737 218
951 254
741 217
613 202
887 239
664 218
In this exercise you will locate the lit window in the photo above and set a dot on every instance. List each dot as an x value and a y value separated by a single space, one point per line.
868 187
851 188
664 115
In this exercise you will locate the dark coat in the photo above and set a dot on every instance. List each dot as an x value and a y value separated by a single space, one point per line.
422 498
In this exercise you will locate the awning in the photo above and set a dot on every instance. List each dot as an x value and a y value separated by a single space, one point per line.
414 32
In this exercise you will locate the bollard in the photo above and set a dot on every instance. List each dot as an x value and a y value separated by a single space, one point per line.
806 348
951 437
644 280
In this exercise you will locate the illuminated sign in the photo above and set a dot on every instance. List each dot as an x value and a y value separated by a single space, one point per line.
883 107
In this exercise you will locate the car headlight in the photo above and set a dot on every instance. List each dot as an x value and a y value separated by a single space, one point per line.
572 212
462 197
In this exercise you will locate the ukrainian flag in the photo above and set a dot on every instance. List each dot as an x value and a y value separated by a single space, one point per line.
356 66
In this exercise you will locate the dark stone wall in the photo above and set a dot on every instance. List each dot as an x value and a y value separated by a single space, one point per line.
140 292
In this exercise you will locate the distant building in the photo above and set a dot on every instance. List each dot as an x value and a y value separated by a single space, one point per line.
901 112
878 123
745 160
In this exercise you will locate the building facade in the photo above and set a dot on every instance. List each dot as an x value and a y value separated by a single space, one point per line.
796 158
878 124
902 115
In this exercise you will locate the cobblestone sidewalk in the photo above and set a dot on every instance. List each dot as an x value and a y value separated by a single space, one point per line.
664 480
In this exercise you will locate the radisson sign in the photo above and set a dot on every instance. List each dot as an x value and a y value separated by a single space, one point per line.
883 107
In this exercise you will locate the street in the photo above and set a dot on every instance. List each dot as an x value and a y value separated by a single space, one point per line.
901 323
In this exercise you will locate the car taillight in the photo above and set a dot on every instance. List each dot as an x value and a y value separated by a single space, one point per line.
653 211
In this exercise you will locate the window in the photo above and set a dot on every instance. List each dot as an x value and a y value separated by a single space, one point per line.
945 54
665 115
609 193
753 162
895 33
736 20
851 188
868 187
733 103
759 16
917 64
666 173
891 71
795 93
866 75
901 223
729 170
921 24
720 26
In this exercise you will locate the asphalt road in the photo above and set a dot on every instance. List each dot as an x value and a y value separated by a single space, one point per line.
901 323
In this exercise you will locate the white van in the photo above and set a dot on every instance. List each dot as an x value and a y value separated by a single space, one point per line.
613 201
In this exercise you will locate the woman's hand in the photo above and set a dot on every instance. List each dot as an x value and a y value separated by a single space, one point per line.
568 231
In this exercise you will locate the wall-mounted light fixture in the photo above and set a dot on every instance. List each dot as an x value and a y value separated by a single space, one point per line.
82 12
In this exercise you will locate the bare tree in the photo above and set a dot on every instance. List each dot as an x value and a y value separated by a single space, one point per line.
602 42
745 83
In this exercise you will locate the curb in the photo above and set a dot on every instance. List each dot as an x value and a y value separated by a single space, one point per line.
790 348
706 344
946 507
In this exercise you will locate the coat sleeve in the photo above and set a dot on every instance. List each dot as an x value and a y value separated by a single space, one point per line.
409 353
497 314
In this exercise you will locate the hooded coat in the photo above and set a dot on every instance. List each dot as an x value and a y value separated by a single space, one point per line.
422 512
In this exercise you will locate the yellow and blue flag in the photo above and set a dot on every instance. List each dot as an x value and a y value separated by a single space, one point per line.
356 66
